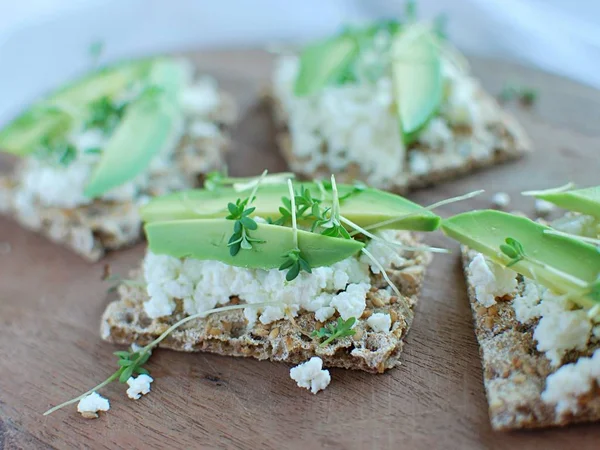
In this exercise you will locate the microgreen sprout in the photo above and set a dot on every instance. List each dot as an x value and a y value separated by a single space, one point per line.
526 95
131 362
306 208
68 155
217 179
382 270
514 250
240 212
427 208
332 225
335 330
566 187
105 114
294 260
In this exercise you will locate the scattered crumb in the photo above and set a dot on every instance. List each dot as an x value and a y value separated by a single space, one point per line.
89 406
543 207
139 386
501 200
310 375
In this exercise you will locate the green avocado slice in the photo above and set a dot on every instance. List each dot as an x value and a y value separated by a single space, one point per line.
25 134
206 239
365 208
558 262
323 62
585 201
145 129
417 77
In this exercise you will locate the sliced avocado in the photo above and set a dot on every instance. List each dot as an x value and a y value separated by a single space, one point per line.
417 76
145 129
364 208
106 82
323 62
555 261
585 201
25 133
206 239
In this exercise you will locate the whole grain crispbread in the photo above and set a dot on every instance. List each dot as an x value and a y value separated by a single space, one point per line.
465 153
289 339
514 371
93 229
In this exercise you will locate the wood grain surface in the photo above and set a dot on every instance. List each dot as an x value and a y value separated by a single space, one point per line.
51 302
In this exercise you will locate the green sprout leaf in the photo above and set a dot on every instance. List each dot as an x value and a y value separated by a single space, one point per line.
294 263
335 330
514 250
240 239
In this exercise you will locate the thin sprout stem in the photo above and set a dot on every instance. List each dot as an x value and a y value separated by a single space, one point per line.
253 193
157 341
573 236
335 208
321 189
565 187
242 184
427 208
293 204
391 243
382 270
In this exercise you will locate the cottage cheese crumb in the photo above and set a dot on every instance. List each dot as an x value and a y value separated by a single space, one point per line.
558 333
311 375
571 381
139 386
491 280
89 406
501 200
380 322
543 207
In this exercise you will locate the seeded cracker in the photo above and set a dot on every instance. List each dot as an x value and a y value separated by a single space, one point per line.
91 230
125 322
515 372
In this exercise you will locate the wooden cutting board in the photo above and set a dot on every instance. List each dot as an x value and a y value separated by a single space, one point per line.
51 302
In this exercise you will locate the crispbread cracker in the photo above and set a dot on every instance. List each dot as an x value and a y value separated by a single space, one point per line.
514 372
125 322
93 229
510 142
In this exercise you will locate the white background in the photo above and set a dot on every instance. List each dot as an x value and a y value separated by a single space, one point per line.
44 42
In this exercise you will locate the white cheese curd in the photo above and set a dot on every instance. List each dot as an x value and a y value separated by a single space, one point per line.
578 224
138 386
490 280
355 123
380 322
91 404
571 381
311 375
54 185
501 200
557 333
543 207
418 162
204 285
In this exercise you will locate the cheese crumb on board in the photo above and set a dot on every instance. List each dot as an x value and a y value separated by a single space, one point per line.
543 207
311 375
501 200
89 405
380 322
139 386
491 280
571 381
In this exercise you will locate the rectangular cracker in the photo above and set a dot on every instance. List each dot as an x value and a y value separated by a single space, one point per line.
125 322
91 230
514 371
509 142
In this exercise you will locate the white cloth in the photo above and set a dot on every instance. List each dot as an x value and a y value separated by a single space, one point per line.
45 42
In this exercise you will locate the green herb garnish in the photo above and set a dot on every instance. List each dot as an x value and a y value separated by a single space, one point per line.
514 250
335 330
526 95
105 114
68 155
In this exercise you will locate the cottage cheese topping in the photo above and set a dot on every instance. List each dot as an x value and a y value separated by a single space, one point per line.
138 386
90 405
380 322
356 122
203 285
578 224
491 280
310 375
571 381
52 184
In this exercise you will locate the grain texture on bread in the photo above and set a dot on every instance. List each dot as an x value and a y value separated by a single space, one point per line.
91 230
288 339
514 371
